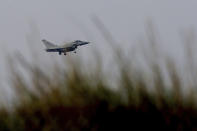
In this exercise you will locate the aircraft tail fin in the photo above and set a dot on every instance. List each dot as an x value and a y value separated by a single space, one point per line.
48 44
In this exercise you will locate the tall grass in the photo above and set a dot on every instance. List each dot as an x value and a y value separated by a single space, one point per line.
71 98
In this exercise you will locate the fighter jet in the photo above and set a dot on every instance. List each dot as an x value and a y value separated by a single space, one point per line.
68 47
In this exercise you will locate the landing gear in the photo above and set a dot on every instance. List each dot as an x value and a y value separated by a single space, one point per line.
65 53
60 53
75 52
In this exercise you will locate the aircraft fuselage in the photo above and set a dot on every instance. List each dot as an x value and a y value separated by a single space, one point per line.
68 49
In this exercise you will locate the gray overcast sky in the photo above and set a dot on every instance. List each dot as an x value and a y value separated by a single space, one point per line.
59 20
125 18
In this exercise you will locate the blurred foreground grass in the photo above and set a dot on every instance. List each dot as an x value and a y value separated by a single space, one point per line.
73 99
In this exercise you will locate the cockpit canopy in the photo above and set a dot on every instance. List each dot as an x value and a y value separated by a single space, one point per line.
78 41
